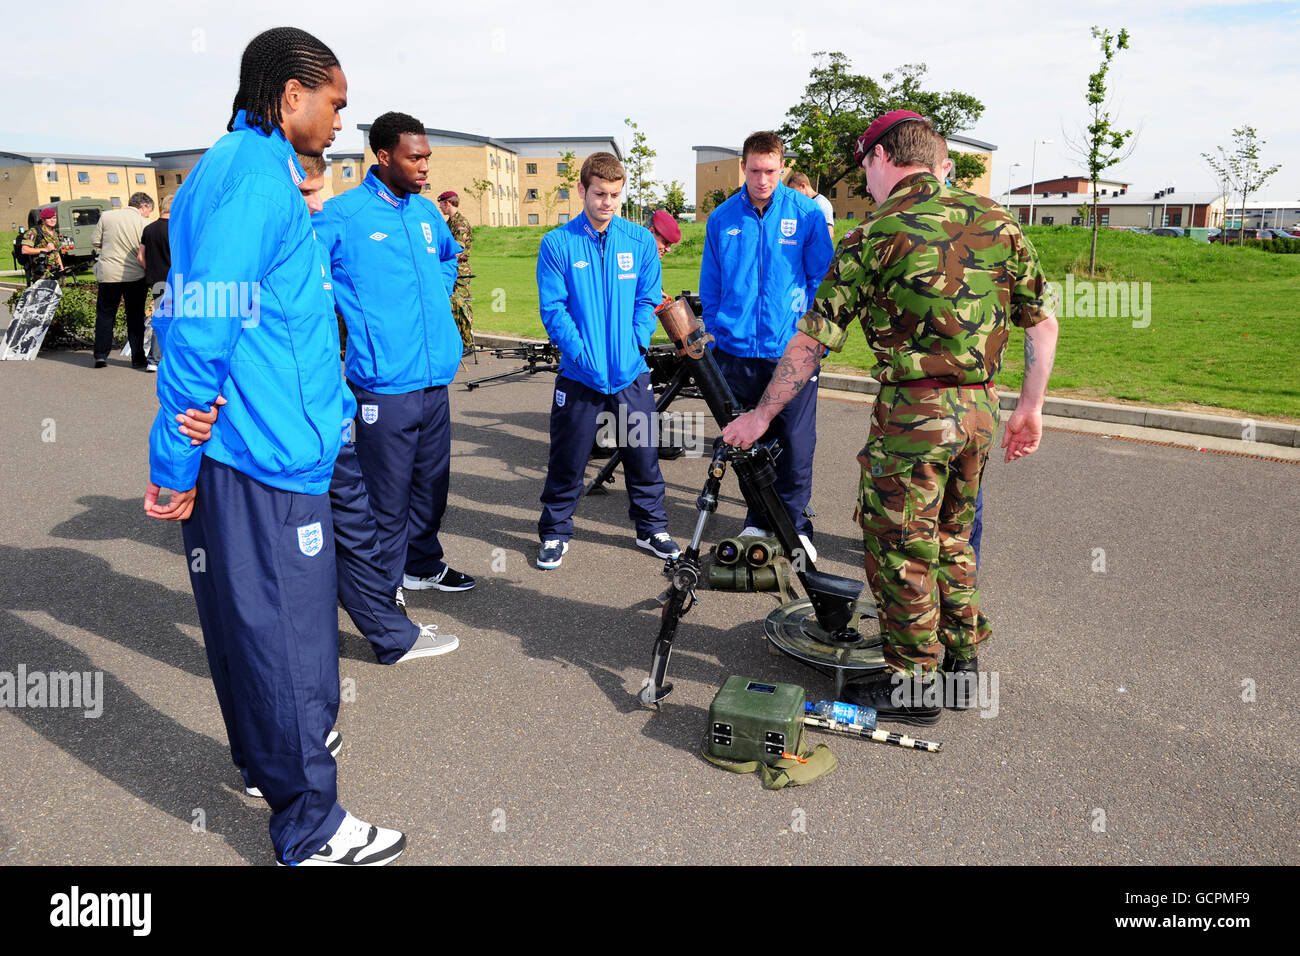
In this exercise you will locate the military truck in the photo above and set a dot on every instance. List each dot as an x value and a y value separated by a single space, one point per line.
76 223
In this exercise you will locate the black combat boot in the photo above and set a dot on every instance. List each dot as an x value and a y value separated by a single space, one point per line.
960 682
898 697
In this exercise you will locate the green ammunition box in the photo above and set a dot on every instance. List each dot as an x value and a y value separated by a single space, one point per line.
755 720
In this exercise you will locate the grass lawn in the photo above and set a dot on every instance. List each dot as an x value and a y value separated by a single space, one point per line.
1221 319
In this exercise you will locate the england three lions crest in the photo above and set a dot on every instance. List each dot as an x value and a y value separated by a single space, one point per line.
370 414
625 261
428 232
310 539
788 227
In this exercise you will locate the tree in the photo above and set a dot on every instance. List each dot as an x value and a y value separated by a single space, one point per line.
1240 169
838 104
640 167
478 189
1103 143
675 198
568 179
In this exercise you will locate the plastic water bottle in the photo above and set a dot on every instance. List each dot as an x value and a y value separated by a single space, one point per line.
842 713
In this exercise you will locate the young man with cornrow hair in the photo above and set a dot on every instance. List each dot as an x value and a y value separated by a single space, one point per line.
259 536
394 265
599 281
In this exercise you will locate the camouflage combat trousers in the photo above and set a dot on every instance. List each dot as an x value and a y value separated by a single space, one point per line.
462 313
921 471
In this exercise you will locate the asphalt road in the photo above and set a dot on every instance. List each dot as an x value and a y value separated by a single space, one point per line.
1144 711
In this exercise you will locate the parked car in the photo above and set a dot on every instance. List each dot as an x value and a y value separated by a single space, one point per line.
1232 235
1168 231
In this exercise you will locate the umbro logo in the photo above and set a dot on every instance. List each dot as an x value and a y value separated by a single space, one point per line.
733 232
379 236
580 264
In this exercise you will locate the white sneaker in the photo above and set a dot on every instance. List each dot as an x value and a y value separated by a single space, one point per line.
357 843
754 532
430 644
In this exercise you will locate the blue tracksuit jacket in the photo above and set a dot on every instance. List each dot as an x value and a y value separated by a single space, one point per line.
393 263
249 314
598 293
759 275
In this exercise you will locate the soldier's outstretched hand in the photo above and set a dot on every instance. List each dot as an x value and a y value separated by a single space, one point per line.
1023 433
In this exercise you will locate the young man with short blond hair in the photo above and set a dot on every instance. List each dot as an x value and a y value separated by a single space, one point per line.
598 282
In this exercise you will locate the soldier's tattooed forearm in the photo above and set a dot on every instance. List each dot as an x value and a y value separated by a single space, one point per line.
792 373
1030 357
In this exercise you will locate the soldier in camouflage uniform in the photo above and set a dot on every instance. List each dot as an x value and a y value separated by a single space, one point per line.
449 203
935 276
42 244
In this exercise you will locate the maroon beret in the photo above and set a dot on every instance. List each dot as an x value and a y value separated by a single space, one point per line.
879 128
666 226
49 212
448 194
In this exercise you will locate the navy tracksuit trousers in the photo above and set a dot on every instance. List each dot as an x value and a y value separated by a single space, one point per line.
575 410
263 572
367 584
795 428
403 445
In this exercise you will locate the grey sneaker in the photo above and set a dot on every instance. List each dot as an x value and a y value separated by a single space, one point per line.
430 644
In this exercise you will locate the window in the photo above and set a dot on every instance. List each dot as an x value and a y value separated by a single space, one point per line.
162 180
532 219
848 214
1105 219
117 202
83 177
139 178
531 169
112 177
51 175
563 218
1049 220
561 168
564 194
835 192
54 199
531 194
85 217
348 172
178 179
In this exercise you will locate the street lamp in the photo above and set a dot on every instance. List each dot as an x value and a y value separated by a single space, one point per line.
1009 168
1033 175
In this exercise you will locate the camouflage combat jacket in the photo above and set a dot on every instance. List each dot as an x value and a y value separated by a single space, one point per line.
43 263
462 233
934 275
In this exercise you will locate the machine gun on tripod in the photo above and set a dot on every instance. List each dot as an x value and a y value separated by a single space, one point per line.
537 356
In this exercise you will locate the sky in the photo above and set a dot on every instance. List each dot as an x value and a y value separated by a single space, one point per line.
131 78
